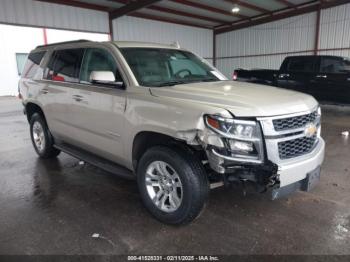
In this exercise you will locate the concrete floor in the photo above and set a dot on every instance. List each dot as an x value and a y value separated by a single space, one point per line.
54 206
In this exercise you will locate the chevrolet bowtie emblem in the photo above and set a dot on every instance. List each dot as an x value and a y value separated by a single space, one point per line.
310 130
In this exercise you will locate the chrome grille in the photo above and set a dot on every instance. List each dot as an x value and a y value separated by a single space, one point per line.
296 147
294 122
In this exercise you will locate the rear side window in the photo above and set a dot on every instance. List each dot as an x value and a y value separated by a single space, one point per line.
32 64
335 65
64 65
301 64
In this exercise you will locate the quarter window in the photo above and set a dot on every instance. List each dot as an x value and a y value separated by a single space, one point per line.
98 60
64 65
32 64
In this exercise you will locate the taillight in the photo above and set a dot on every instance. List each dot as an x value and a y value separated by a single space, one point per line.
234 76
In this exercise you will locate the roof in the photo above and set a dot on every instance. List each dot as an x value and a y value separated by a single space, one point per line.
216 15
121 44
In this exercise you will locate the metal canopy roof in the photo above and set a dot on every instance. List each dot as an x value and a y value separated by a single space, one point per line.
211 14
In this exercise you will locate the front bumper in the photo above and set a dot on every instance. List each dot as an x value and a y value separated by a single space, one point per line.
284 177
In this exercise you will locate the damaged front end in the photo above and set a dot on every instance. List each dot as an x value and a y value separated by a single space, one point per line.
234 150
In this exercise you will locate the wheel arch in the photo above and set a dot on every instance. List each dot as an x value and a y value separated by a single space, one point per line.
147 139
32 108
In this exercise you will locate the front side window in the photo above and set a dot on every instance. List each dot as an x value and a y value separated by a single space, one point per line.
161 67
32 64
96 59
301 64
64 65
335 65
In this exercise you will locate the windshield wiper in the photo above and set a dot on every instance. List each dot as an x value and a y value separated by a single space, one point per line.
202 80
209 80
168 83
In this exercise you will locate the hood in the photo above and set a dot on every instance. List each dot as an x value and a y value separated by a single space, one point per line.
240 98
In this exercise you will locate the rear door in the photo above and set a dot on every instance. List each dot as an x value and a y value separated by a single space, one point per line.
98 109
333 80
62 74
298 72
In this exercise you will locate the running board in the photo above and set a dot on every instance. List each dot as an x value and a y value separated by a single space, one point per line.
97 161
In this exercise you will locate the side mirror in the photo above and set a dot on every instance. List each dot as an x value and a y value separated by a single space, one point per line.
104 78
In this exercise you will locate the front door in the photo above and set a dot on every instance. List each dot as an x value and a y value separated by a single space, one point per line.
298 73
98 109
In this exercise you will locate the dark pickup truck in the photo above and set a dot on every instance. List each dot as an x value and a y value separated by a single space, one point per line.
327 78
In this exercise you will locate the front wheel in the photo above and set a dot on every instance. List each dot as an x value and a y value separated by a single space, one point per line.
173 185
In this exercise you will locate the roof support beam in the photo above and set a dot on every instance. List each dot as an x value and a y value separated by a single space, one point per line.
168 20
285 2
132 7
177 12
248 5
208 8
309 7
185 14
77 4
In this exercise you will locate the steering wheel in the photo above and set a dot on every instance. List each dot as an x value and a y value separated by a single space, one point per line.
177 74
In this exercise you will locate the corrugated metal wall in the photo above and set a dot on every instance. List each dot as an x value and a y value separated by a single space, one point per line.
33 13
335 30
288 35
277 39
197 40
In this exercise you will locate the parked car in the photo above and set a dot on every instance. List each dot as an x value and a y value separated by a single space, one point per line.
327 78
167 118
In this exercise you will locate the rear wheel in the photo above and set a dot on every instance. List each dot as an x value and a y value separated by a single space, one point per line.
173 185
41 137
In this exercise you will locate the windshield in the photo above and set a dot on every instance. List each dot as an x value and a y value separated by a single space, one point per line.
165 67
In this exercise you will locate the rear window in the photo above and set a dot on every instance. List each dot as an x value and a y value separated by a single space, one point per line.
64 65
301 64
32 64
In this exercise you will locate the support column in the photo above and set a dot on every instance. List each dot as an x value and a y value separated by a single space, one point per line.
45 36
110 20
317 34
214 48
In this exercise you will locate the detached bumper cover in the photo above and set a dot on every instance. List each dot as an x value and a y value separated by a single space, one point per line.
298 169
306 184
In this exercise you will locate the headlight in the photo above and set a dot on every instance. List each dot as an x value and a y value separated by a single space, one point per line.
233 128
241 137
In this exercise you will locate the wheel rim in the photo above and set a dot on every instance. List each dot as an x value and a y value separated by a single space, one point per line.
39 136
164 186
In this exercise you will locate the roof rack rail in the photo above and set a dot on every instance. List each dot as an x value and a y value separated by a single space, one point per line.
67 42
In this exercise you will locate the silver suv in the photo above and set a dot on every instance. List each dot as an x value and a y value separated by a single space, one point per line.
166 117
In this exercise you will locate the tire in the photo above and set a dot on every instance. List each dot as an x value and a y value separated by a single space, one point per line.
182 202
42 139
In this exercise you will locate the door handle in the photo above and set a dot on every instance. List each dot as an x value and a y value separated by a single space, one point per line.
321 76
44 91
78 98
283 75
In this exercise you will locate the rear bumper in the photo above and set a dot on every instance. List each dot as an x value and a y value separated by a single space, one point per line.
297 169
